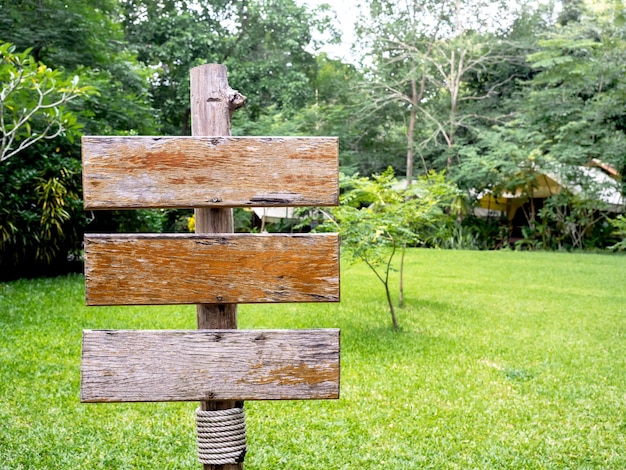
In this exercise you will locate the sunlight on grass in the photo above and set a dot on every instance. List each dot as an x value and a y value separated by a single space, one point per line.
504 360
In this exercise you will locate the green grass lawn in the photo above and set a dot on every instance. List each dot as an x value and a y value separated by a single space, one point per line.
504 360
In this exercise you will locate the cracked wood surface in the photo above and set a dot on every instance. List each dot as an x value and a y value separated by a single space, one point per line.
151 269
166 172
128 366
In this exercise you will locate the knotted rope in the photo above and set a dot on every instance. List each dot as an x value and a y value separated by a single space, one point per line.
221 436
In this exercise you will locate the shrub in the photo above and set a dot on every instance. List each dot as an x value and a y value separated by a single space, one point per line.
41 216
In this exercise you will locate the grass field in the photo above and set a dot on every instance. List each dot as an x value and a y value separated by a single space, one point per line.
504 360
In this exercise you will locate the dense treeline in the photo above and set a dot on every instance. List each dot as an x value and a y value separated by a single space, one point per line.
492 92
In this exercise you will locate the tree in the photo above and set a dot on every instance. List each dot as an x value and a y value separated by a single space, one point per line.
568 113
576 100
33 101
170 38
62 34
569 219
41 215
262 42
424 54
378 217
84 38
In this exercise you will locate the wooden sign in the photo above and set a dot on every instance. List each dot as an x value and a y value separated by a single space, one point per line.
165 172
151 269
129 366
217 365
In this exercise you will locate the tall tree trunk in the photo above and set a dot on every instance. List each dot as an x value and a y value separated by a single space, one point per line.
385 281
401 294
394 321
410 153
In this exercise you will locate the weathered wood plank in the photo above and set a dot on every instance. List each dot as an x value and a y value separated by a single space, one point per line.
155 172
127 366
147 269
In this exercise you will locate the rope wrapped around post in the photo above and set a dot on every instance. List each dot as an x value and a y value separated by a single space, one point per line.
221 436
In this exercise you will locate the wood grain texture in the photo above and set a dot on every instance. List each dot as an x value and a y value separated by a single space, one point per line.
163 172
129 366
148 269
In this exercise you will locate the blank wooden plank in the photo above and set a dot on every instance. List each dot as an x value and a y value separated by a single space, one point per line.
148 269
153 172
126 366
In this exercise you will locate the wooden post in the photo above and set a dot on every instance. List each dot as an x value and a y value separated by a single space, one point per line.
212 103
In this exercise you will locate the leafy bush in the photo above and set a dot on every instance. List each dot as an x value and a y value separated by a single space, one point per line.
42 111
568 221
32 101
41 216
619 231
471 233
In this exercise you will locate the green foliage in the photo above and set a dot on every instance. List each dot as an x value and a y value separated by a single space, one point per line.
568 113
263 43
62 34
41 215
129 221
619 231
80 39
372 215
170 38
270 58
381 212
379 216
569 220
492 97
471 233
52 196
368 142
440 64
33 101
498 105
84 38
576 99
